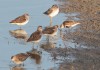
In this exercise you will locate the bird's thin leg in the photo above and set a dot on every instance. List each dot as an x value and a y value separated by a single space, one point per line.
47 38
33 44
39 49
20 27
23 64
37 46
50 21
61 33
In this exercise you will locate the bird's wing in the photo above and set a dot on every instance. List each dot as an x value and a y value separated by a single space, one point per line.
48 31
34 36
22 57
19 19
48 11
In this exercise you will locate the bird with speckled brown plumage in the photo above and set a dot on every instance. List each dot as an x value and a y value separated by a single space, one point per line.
19 58
36 36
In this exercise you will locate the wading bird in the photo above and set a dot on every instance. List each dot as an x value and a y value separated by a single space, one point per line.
21 20
51 12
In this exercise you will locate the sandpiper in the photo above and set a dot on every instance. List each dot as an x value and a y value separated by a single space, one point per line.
51 12
68 24
19 58
36 36
50 30
21 20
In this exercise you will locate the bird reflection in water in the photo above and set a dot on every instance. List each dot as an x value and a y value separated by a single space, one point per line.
17 68
35 55
19 34
48 45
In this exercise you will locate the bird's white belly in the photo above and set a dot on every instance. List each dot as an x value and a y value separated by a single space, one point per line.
21 23
54 13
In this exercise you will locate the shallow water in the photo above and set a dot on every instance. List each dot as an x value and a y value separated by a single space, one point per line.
11 45
55 50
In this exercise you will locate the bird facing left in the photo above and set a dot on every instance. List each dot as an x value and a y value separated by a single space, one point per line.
21 20
19 58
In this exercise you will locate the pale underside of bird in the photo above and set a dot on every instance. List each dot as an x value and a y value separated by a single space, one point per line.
51 12
19 58
68 24
21 20
36 36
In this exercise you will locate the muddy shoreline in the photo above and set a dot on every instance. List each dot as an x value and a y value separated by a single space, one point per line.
88 34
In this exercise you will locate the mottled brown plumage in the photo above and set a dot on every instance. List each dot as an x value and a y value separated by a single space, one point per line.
36 36
68 24
50 30
21 20
19 58
53 11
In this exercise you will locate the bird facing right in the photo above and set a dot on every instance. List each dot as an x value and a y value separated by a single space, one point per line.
36 36
68 24
50 30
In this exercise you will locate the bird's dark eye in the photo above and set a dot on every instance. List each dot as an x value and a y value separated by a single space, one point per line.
67 26
12 57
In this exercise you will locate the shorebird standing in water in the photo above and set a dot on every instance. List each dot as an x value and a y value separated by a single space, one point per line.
68 24
36 36
51 12
21 20
19 58
51 31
